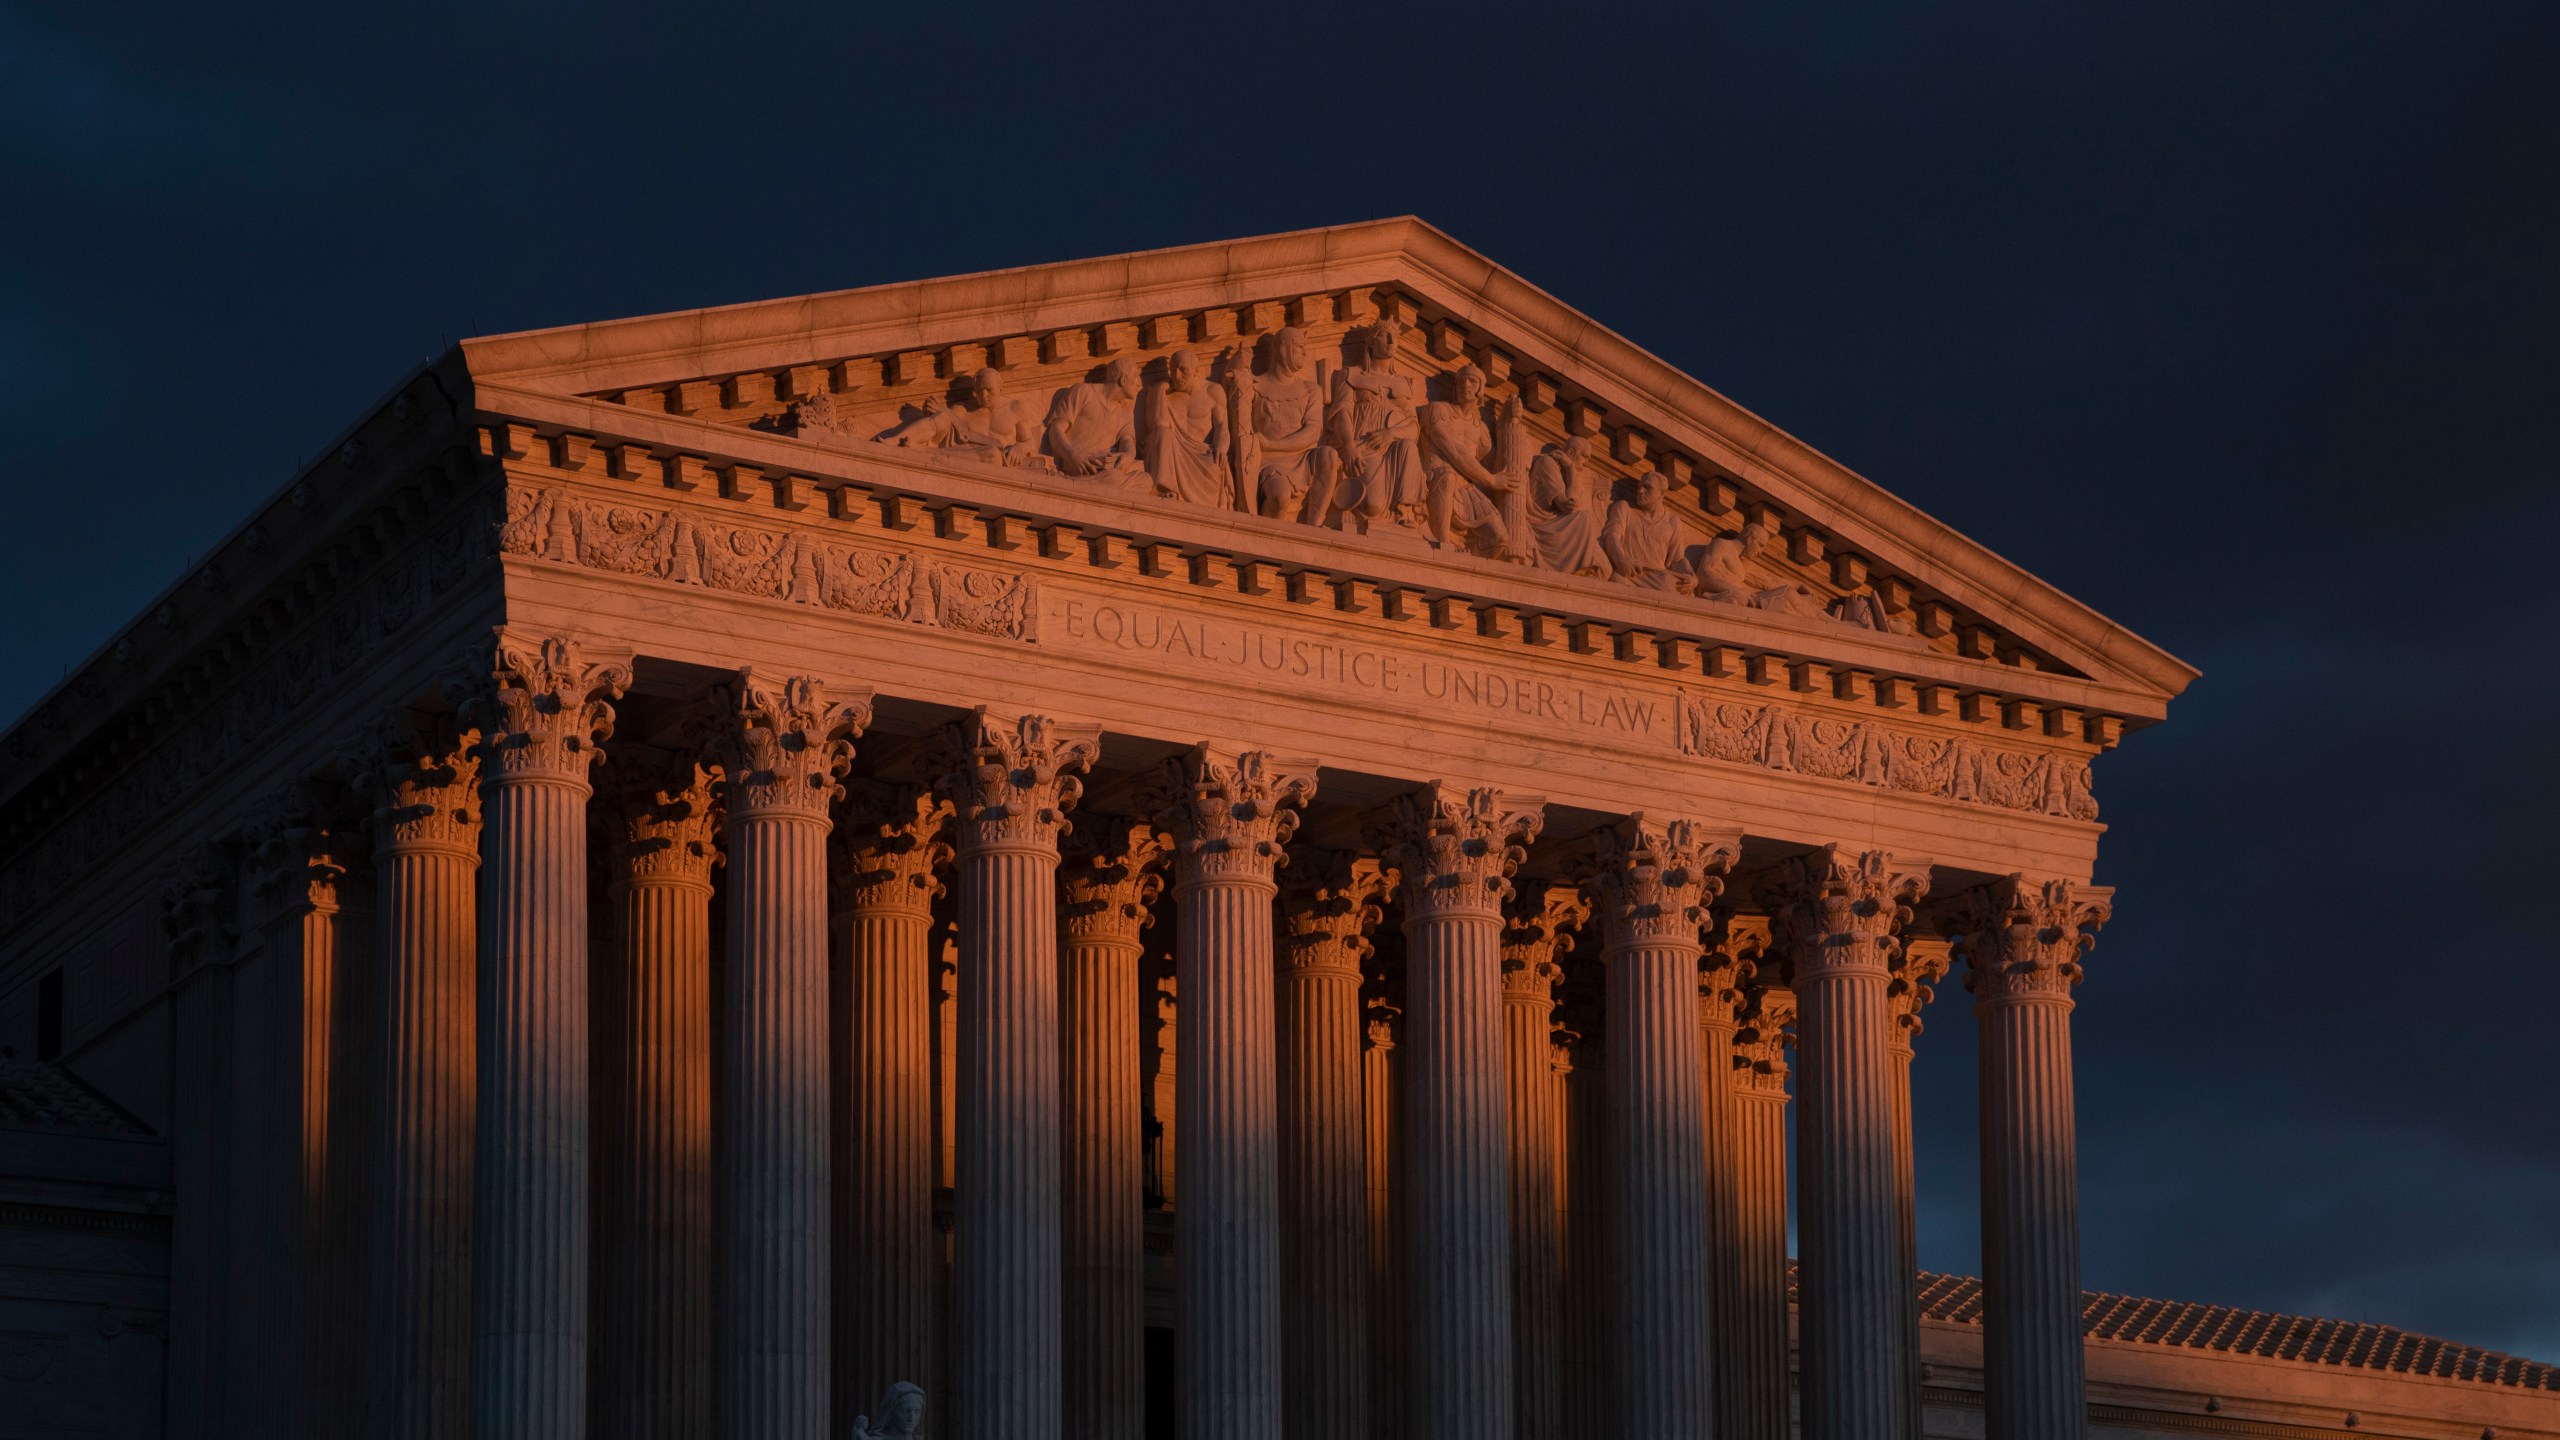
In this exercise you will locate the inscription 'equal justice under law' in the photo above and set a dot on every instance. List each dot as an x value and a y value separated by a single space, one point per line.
1277 656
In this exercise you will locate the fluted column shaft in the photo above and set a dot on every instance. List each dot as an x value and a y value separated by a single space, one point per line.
1847 908
1721 971
780 759
1230 820
1383 1164
1324 1200
1539 928
1010 791
654 1237
2024 953
1752 1389
418 1325
1105 890
1456 853
886 1252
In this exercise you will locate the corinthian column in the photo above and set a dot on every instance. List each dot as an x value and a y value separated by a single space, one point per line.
1231 817
1751 1284
1383 1162
888 857
1651 890
1455 851
1330 903
1844 909
1541 925
654 1237
780 757
1728 963
2022 952
541 712
418 1326
1106 885
1010 788
1917 968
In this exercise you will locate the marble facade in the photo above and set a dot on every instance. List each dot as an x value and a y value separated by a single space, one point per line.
788 833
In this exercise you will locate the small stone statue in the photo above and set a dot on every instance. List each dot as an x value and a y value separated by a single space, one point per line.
901 1414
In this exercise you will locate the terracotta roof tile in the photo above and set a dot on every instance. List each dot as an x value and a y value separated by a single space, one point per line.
1957 1299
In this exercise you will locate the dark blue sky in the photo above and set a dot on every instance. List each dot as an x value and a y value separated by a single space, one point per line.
2236 321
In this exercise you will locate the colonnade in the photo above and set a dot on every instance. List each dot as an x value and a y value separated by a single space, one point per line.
1393 1216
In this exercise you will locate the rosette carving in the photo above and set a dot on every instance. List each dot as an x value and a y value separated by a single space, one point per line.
1917 970
1012 781
541 708
786 747
1653 879
1232 815
1844 909
1763 1029
1108 880
667 827
1455 849
1330 903
2024 938
425 794
1543 918
890 850
1729 963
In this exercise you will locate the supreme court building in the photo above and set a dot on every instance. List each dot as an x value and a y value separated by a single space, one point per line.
1260 840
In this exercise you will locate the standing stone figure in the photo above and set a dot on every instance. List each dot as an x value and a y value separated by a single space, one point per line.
1373 425
901 1414
1092 430
1185 439
986 424
1471 472
1644 539
1564 513
1280 420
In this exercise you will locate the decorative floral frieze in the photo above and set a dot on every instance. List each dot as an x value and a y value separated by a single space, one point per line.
1231 815
672 544
1456 848
1012 781
1653 878
1108 880
785 747
887 852
2023 938
1842 909
541 707
1869 752
668 825
1329 903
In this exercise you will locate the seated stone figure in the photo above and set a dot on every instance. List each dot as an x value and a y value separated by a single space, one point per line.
1092 433
1723 567
1564 515
1185 435
986 423
1470 472
1279 421
1370 423
901 1415
1644 539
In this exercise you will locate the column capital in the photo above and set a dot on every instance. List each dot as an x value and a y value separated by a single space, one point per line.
541 706
890 849
785 747
425 792
664 824
1917 969
2023 937
1841 909
1652 878
297 856
1011 781
1378 1022
1330 902
1232 813
1727 965
1108 880
1455 848
1760 1039
196 913
1542 918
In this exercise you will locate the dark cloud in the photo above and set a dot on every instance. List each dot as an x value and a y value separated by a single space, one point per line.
2235 321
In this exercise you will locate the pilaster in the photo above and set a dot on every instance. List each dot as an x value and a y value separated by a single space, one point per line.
1011 783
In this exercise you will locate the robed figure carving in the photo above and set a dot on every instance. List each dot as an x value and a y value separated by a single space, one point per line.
1644 539
1566 511
1471 472
1279 422
1092 431
1185 434
1374 424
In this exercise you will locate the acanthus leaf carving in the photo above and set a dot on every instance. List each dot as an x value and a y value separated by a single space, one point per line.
1232 814
1012 782
2022 938
424 786
890 848
1456 848
1330 901
1844 909
668 825
785 747
1728 966
540 707
1654 877
1764 1027
1535 934
1109 878
1918 967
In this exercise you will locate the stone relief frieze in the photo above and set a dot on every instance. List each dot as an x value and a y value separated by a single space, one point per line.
1869 752
674 545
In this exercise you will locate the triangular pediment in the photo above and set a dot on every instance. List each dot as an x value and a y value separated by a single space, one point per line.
1060 377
